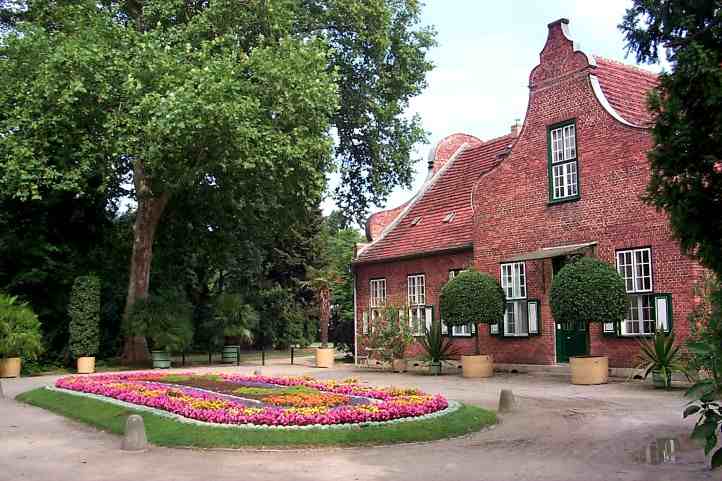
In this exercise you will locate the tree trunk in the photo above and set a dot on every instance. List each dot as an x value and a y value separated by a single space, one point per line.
147 217
324 300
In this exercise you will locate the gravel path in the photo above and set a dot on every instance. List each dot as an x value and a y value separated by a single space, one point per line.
559 432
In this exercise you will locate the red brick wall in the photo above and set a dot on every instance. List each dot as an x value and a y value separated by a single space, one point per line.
513 215
436 270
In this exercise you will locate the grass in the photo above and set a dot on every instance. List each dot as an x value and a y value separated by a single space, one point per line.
163 431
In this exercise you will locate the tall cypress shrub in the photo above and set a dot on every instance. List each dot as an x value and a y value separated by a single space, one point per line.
84 312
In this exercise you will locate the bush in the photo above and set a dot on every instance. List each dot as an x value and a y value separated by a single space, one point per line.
84 312
588 290
166 318
19 329
472 297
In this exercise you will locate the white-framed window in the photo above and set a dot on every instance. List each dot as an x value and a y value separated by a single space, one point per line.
377 289
564 170
635 267
416 288
513 282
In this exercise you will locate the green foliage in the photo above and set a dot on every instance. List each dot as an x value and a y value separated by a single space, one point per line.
282 319
662 355
472 297
19 329
705 394
393 332
437 347
84 312
686 160
588 290
237 318
165 318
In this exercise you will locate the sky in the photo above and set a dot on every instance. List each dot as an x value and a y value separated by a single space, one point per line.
485 52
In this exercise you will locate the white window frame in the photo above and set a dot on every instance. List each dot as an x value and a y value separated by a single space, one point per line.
416 297
513 282
635 267
564 169
377 292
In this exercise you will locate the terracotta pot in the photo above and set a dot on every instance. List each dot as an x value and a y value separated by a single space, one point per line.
477 366
399 365
86 365
10 367
588 370
325 357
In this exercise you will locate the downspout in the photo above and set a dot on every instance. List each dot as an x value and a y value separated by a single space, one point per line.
355 319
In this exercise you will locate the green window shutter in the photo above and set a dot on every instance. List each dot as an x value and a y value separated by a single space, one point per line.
663 312
533 307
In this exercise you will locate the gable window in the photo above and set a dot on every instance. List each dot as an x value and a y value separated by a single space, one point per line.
513 282
377 300
563 162
635 267
416 287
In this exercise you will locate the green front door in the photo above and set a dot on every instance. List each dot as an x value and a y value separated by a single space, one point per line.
571 341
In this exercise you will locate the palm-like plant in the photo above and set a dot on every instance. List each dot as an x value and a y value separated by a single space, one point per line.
661 357
321 281
437 348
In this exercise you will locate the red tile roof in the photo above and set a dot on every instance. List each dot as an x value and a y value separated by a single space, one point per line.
378 221
626 88
448 191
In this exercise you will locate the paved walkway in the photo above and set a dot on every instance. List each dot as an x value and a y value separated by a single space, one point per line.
560 432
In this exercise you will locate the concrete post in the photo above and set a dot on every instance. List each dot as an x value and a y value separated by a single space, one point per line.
134 439
507 402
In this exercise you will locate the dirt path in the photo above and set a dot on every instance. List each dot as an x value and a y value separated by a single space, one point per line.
560 432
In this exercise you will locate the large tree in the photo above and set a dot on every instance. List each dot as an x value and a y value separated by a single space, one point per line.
687 157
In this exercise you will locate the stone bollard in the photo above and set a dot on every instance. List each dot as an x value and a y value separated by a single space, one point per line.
507 402
134 439
258 372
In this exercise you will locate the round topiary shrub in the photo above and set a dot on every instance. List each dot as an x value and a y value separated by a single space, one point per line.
472 297
588 290
84 312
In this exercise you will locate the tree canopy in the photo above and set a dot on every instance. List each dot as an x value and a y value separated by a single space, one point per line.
687 156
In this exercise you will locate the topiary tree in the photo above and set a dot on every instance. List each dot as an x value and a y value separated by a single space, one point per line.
84 312
472 297
588 290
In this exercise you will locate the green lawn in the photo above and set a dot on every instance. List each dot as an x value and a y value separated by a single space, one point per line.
163 431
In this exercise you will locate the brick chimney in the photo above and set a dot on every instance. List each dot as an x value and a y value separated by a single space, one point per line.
515 128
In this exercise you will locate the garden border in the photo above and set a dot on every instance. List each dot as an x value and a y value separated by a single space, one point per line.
453 406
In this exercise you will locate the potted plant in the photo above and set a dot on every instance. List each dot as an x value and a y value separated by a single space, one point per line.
321 281
234 320
84 328
660 357
395 336
166 319
473 297
588 290
20 335
437 348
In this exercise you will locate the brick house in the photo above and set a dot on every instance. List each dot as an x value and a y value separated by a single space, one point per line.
567 182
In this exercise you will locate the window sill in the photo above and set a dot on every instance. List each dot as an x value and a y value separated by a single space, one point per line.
563 200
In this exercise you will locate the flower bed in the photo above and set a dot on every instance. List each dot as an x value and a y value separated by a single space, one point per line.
259 400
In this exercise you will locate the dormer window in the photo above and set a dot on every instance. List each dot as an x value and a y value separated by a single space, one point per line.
449 217
416 221
563 162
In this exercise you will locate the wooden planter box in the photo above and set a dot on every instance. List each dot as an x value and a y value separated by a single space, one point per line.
86 365
477 366
587 370
325 357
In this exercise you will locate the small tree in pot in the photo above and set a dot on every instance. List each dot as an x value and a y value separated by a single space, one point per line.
473 297
20 335
84 312
395 336
321 281
588 290
167 319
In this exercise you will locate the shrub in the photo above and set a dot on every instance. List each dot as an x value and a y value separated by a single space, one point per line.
166 318
19 329
236 318
84 312
472 297
588 290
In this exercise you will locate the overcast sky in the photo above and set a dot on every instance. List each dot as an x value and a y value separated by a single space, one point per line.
482 63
